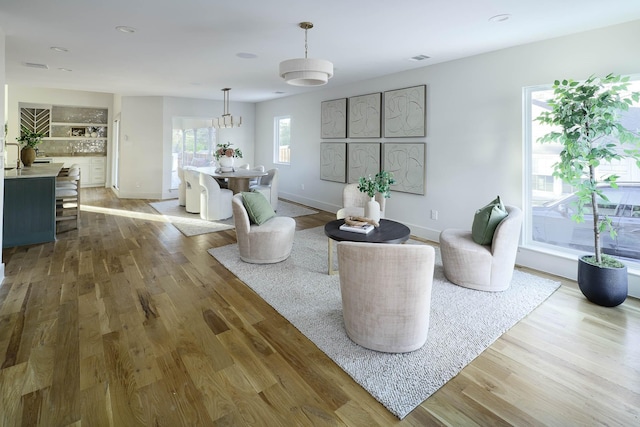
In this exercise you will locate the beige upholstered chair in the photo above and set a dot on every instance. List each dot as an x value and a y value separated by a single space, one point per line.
386 294
192 190
215 202
482 267
262 244
353 201
269 187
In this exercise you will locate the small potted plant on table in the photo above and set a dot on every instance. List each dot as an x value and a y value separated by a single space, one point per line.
378 189
587 117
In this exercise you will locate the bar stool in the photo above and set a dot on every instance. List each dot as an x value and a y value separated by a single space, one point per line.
68 197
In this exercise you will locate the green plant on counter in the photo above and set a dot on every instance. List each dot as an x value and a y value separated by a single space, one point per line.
29 138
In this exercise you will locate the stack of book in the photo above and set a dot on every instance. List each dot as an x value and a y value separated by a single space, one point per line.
363 229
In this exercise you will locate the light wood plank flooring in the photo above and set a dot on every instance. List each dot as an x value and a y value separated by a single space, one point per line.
126 322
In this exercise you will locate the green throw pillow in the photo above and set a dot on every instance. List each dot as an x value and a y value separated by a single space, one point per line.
486 221
258 207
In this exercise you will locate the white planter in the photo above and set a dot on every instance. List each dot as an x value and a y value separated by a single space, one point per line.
372 210
226 163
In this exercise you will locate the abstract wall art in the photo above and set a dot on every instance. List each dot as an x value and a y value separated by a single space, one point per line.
365 116
333 118
405 112
333 161
363 160
407 162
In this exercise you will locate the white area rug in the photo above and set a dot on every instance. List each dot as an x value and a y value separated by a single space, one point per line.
463 322
191 224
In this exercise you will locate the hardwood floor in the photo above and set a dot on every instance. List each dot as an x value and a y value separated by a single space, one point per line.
126 322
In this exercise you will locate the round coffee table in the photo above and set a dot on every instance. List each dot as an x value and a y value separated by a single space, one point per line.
388 232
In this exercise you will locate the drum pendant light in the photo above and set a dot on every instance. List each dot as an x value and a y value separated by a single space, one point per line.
306 71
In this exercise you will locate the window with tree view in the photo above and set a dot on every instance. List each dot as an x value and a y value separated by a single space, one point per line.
193 144
282 140
551 203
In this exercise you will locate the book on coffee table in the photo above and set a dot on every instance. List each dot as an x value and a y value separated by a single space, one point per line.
363 229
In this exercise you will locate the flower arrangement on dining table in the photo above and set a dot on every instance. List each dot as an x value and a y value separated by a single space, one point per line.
225 150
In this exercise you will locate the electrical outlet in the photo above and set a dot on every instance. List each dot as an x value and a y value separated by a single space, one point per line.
434 214
302 186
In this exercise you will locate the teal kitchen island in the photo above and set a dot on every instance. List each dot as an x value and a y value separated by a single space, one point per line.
29 215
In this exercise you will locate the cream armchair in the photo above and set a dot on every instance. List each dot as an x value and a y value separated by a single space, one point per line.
215 202
353 202
386 294
482 267
268 243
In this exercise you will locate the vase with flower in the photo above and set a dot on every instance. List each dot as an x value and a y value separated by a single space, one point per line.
377 188
225 155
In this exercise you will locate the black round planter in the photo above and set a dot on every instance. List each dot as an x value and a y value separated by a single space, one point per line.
604 286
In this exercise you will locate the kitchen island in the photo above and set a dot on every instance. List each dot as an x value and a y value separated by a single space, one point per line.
29 215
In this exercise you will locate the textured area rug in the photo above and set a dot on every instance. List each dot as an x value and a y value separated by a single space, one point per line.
463 322
191 224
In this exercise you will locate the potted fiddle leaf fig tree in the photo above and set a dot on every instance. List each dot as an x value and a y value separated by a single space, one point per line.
586 120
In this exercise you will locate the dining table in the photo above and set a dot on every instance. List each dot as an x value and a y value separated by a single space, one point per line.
238 179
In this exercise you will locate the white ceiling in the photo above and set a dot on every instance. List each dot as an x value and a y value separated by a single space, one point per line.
188 48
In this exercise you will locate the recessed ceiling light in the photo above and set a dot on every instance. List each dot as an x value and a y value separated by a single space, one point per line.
59 49
245 55
125 29
64 69
36 65
500 18
419 58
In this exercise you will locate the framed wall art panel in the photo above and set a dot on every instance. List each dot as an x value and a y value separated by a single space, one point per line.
405 112
363 159
333 161
407 162
333 118
365 116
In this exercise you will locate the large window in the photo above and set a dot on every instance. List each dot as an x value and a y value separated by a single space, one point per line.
193 144
282 140
550 202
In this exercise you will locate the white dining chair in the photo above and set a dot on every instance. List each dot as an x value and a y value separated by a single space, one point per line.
215 202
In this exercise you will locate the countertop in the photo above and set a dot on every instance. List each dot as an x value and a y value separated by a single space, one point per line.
37 170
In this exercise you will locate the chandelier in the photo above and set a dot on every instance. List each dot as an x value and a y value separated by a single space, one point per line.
227 120
306 71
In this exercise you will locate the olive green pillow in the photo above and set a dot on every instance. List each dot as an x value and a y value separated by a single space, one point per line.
258 207
486 221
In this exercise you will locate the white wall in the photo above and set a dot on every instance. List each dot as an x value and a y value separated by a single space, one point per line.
146 138
474 130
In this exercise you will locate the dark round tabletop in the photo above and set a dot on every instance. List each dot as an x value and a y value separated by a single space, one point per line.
388 232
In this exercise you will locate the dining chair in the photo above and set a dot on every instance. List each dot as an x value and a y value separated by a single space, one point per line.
256 181
215 202
192 190
269 187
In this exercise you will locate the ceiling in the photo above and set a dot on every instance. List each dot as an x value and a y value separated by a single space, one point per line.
194 48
